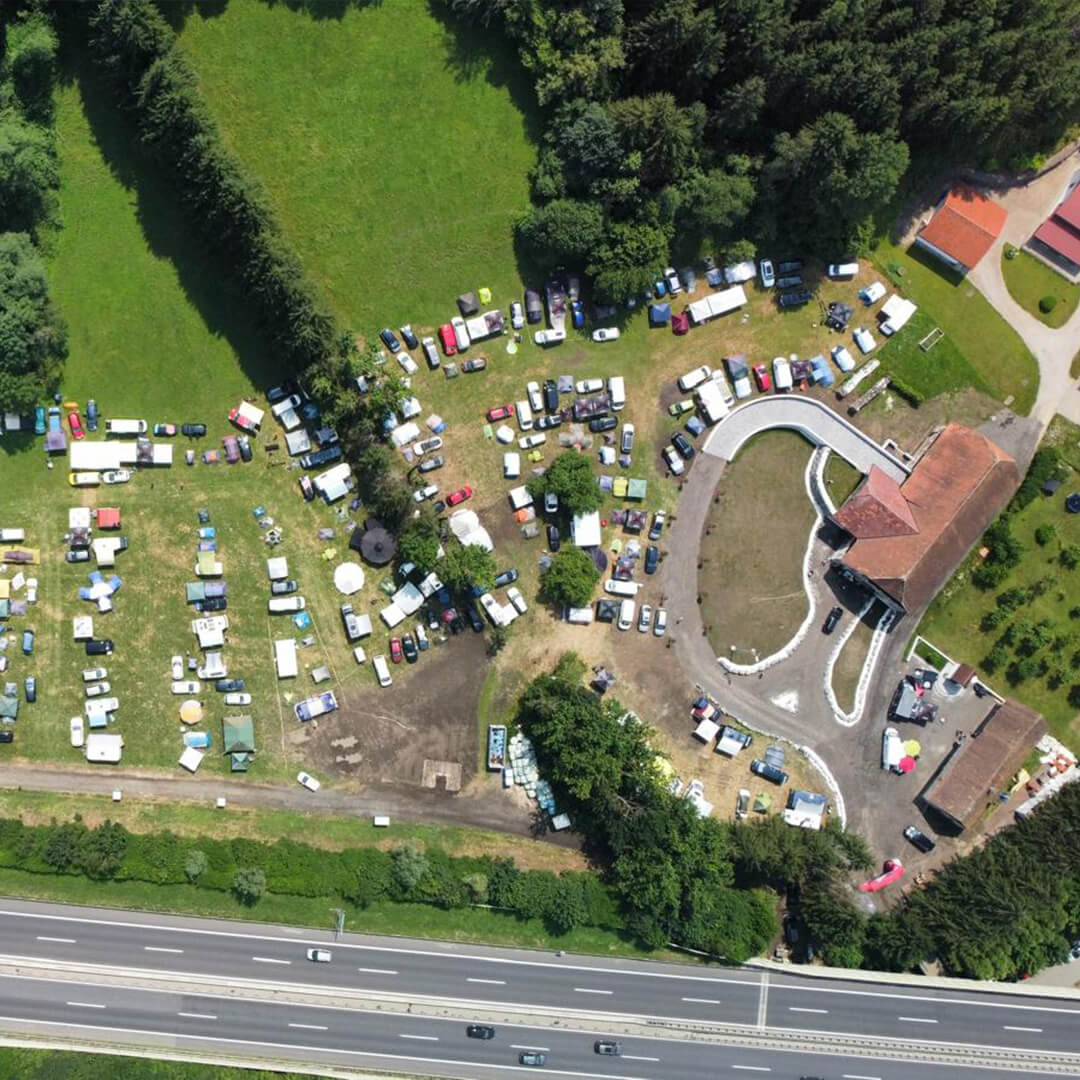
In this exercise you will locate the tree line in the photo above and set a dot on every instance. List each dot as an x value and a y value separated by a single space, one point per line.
762 125
33 337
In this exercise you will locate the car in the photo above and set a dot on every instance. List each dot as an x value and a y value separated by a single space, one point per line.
842 358
536 399
185 686
782 374
396 653
674 462
657 526
75 423
30 689
605 333
652 559
795 298
28 642
532 1057
659 289
546 423
789 281
461 332
682 444
694 378
408 645
193 431
842 270
428 491
431 464
659 626
551 502
831 620
589 386
527 442
116 476
695 426
7 736
431 352
449 341
549 337
789 266
517 315
307 489
99 647
607 1048
919 839
176 665
534 306
459 496
408 364
81 555
77 730
768 771
94 673
245 447
477 363
237 699
644 619
215 603
1074 952
308 781
474 618
408 336
762 378
427 446
228 686
513 594
627 442
389 339
91 415
677 408
500 412
551 396
319 956
480 1031
165 430
507 577
603 423
626 614
553 540
671 280
766 273
577 314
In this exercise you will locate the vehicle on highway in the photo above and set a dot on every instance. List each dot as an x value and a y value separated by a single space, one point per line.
75 725
607 1047
319 956
833 618
532 1057
308 781
480 1031
919 839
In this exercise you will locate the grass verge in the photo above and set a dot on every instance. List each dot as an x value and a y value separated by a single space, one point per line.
19 1063
1029 280
841 479
849 663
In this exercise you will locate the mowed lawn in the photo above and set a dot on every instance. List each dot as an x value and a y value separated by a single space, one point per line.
984 342
1029 281
392 142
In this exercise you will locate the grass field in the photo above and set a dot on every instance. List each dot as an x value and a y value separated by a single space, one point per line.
841 479
1029 280
993 350
22 1064
849 663
753 548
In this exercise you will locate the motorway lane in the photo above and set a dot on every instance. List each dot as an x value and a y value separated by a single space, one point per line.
497 976
404 1042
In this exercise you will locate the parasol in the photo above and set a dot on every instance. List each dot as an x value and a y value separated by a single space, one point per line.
349 578
907 764
191 712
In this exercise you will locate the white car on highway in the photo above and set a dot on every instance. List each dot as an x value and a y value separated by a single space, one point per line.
308 781
320 956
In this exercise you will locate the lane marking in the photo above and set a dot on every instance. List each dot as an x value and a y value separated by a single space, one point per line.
858 1076
197 1016
1009 1027
515 1046
311 1027
422 1038
703 1001
492 982
635 1057
84 1004
796 1008
753 1068
763 1001
377 971
161 948
59 940
917 1019
586 990
269 960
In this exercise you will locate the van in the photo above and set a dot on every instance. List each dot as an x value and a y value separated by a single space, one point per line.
622 588
12 536
843 270
617 389
580 616
382 670
694 378
461 335
125 427
892 749
626 614
279 604
524 415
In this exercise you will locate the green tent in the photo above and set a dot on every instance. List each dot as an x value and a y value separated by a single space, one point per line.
196 590
9 707
238 737
762 803
636 489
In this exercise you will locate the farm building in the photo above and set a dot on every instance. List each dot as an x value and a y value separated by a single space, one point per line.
963 228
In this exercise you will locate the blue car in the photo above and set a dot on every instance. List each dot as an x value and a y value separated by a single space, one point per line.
577 313
31 689
91 415
39 420
28 642
389 340
660 289
55 423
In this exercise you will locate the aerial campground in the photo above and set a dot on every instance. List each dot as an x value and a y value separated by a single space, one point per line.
539 537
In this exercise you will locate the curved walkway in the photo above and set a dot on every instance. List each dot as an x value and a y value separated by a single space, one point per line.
813 419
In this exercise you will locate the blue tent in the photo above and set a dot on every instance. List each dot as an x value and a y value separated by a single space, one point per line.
823 376
659 314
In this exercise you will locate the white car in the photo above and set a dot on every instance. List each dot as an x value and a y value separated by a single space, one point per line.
431 351
428 492
77 731
694 378
527 442
427 446
237 699
781 374
696 787
589 386
644 619
659 626
285 405
97 689
319 956
408 364
672 281
177 667
279 604
308 781
517 315
461 333
92 674
513 594
864 339
606 333
536 399
116 476
185 686
766 273
674 461
382 670
359 655
842 358
549 337
626 614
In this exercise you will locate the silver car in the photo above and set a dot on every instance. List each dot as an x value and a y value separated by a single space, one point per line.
644 619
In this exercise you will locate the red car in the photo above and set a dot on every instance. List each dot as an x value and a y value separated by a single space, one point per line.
459 496
500 412
762 377
395 650
446 336
680 324
241 421
75 423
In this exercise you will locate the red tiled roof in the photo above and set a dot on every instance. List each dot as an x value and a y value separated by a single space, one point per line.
1059 238
1069 210
877 508
966 226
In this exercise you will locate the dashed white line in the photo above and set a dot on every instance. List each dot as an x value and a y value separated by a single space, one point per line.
84 1004
311 1027
1009 1027
198 1016
917 1019
161 948
753 1068
269 960
516 1046
635 1057
377 971
423 1038
491 982
60 940
586 990
797 1008
703 1001
859 1076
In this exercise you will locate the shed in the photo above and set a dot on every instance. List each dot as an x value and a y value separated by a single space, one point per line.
585 530
468 304
104 748
659 314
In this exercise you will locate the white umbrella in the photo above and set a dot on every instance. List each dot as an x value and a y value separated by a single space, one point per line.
349 578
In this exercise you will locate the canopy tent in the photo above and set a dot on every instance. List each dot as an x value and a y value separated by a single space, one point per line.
191 759
659 314
348 578
468 304
238 737
377 546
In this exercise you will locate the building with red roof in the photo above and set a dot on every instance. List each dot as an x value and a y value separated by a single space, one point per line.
1058 237
963 228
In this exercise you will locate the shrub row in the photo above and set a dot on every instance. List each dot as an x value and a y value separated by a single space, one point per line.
1044 466
905 390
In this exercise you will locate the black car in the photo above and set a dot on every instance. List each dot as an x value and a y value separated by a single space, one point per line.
30 686
91 415
320 457
603 423
919 839
768 772
100 647
245 447
406 332
283 588
546 423
193 431
474 618
534 308
551 395
789 281
789 266
683 445
215 603
480 1031
795 298
7 736
832 620
389 339
408 644
553 537
228 686
507 577
652 559
282 391
81 555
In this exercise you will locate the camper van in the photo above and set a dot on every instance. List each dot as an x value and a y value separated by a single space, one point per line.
524 415
622 588
617 390
125 427
892 749
279 604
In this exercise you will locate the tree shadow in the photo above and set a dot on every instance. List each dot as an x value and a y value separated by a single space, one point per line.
176 12
323 9
207 281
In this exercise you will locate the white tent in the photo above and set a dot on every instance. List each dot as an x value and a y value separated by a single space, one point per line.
392 615
82 627
348 578
465 525
285 658
585 530
520 497
408 598
706 731
277 568
250 413
191 759
297 442
405 433
104 748
79 517
895 313
88 456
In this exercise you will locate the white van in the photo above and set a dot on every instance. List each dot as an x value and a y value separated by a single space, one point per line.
461 335
621 588
279 604
125 427
626 614
694 378
524 415
382 670
843 270
581 616
616 386
892 749
12 536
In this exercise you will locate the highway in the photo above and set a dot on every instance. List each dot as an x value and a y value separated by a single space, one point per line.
525 986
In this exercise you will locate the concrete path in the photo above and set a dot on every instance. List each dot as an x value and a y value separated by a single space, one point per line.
812 418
